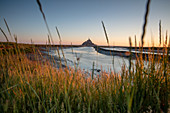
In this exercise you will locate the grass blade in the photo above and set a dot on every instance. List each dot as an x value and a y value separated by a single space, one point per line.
10 88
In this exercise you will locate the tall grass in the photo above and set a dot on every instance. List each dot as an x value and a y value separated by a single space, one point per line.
36 86
31 86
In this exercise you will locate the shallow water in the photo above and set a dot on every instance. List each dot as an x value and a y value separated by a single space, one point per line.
87 55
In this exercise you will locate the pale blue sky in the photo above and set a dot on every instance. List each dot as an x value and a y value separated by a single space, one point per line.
78 20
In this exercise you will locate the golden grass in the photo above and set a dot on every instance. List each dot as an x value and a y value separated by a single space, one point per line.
31 86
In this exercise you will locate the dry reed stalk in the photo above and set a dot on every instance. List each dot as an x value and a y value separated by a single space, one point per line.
107 39
169 42
145 22
160 32
58 35
4 34
61 47
49 42
8 28
31 41
166 38
130 43
41 10
135 42
15 38
105 33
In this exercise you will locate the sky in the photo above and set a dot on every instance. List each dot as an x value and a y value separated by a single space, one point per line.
79 20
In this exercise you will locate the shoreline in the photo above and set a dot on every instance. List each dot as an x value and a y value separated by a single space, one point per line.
65 46
43 57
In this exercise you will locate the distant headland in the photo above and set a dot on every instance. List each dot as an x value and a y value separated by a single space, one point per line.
88 43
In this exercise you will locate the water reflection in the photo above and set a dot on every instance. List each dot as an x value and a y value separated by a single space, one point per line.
85 56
